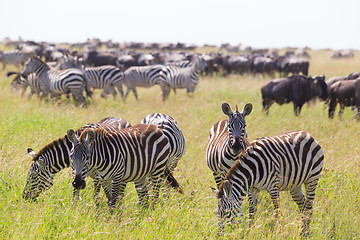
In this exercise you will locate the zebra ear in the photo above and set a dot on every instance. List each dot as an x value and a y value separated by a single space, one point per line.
90 137
227 187
226 108
72 136
247 109
214 190
31 152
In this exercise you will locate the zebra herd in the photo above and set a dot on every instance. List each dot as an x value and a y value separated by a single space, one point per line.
45 80
114 153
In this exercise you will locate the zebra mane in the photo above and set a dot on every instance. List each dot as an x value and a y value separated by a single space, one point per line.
49 146
99 132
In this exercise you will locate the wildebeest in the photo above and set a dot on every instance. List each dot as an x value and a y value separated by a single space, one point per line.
286 65
298 89
346 93
95 59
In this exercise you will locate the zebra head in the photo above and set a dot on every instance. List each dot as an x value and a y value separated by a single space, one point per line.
80 154
229 206
236 125
32 65
39 177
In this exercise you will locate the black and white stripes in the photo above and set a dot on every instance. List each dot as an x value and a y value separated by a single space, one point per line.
279 163
57 82
106 77
172 131
129 155
184 77
55 156
145 76
227 139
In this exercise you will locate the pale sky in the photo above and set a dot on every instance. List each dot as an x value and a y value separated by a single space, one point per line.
257 23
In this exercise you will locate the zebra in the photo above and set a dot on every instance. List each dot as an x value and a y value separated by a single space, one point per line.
15 57
171 130
145 76
105 77
57 82
21 82
279 163
55 156
228 138
184 77
134 154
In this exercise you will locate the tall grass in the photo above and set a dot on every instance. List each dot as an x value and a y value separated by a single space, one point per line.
31 123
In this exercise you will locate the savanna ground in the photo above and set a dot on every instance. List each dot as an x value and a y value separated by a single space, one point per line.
32 123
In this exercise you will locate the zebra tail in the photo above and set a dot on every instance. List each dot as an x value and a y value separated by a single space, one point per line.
11 73
172 181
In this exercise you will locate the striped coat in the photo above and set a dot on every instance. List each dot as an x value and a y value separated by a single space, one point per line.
129 155
56 82
279 163
55 156
105 77
227 140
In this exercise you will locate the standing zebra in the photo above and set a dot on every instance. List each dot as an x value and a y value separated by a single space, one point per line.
279 163
227 140
171 130
15 57
145 76
184 77
21 82
129 155
55 156
105 77
57 82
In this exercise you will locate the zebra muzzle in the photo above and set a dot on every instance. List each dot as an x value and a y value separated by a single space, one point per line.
236 145
78 182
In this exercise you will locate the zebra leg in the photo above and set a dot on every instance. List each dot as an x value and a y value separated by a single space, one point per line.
253 197
126 94
310 187
120 89
298 197
135 93
97 187
165 91
117 191
141 189
274 195
156 181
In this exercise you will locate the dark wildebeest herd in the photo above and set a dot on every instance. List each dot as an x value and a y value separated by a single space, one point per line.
298 89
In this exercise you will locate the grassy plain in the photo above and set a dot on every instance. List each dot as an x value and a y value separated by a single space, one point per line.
32 123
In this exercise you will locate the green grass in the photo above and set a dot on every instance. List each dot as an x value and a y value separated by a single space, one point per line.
31 123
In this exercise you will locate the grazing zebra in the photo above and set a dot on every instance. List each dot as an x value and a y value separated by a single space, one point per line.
105 77
278 163
171 130
57 82
15 57
21 82
184 77
55 156
133 154
227 140
145 76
